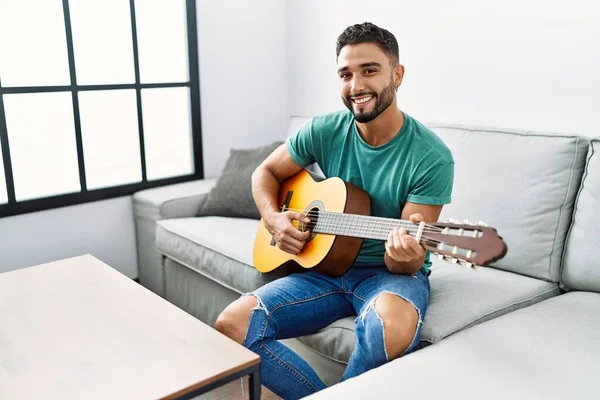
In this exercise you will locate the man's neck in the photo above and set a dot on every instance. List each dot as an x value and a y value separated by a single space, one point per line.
383 128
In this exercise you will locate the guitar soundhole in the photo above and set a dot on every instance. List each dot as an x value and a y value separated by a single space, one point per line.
312 212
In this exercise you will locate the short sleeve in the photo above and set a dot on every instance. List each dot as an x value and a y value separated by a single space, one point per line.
301 145
434 186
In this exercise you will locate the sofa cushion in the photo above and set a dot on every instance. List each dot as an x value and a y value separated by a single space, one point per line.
547 351
232 194
220 248
459 298
521 183
582 269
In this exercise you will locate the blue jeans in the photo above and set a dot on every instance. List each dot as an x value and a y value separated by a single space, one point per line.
302 303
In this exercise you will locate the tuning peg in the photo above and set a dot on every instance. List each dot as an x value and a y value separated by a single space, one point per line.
481 223
466 222
470 265
440 256
451 220
453 260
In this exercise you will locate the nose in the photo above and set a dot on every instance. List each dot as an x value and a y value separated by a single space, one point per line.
357 85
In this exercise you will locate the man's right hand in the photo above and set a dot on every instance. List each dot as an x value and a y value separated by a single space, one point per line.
287 236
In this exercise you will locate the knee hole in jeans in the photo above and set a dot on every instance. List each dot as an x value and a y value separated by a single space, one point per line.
234 321
400 321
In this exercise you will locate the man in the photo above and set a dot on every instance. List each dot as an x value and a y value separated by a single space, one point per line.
407 171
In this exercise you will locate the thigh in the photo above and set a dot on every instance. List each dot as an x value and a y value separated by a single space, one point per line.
367 285
302 303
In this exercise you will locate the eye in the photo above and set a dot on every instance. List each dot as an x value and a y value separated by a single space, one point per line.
345 76
370 71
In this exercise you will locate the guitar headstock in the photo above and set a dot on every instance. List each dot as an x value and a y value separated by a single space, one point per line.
464 243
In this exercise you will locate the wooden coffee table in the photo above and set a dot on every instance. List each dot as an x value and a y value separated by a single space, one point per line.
79 329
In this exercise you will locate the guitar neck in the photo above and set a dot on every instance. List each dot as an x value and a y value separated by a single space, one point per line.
361 226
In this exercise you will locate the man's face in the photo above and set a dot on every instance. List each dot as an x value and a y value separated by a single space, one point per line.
368 81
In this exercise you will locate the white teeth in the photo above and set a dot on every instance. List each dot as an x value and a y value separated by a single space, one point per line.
362 100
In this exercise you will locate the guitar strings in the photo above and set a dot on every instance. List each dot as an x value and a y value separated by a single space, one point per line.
327 219
374 231
386 227
381 233
364 230
382 230
344 215
412 229
388 221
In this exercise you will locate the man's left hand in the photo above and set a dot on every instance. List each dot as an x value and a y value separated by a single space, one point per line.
402 247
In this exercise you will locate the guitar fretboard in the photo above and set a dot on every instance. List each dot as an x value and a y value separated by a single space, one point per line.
362 226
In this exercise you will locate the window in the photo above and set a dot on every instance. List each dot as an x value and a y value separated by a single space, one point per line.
97 100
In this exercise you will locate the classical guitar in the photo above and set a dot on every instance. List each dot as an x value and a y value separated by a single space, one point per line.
340 220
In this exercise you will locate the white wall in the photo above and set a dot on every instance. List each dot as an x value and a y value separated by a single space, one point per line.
527 64
104 229
514 63
243 76
244 104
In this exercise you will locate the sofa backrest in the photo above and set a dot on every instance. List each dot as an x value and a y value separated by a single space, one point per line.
522 183
581 269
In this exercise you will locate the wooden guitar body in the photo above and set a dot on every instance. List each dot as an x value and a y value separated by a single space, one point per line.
329 254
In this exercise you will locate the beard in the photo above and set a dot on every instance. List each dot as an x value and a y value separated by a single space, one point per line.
382 101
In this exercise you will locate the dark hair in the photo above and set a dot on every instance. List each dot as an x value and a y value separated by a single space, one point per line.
369 33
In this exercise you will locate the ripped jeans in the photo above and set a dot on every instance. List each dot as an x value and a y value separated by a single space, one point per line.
302 303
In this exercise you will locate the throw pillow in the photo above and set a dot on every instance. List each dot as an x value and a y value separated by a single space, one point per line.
232 194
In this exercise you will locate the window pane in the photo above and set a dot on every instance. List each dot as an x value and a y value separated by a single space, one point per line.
102 41
162 40
41 137
167 132
3 192
33 47
111 144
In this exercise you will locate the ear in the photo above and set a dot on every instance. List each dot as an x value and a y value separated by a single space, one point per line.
398 75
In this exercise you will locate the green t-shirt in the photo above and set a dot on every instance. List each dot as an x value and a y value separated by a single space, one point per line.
415 166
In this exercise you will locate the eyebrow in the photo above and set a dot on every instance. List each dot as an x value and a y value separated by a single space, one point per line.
363 65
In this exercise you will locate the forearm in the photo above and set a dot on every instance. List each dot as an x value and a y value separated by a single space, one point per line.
265 187
403 268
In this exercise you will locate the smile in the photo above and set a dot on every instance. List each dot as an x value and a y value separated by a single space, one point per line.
362 99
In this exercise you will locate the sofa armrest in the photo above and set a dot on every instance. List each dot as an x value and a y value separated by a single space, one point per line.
151 205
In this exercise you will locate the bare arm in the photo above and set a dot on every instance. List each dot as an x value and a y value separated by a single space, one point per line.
403 254
266 181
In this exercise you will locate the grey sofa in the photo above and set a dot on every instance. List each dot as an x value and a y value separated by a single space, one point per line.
550 350
527 185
